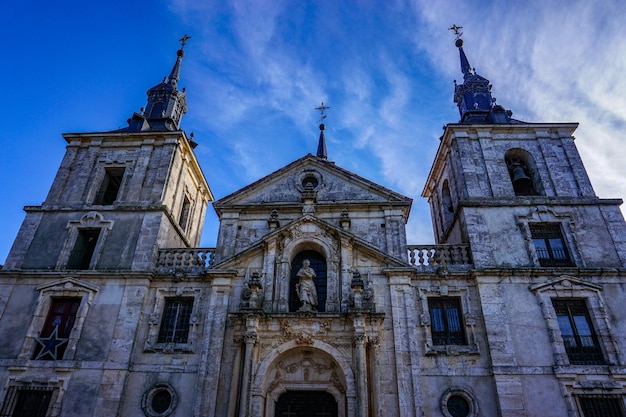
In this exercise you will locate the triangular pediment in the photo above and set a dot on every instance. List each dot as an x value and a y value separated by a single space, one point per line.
311 228
332 185
68 284
565 283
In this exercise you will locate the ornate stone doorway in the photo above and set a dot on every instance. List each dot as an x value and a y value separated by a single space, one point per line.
306 404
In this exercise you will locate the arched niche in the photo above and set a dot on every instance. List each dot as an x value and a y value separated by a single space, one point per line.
309 236
523 172
318 264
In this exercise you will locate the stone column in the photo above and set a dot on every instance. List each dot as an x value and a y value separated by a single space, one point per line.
249 339
360 341
375 346
232 399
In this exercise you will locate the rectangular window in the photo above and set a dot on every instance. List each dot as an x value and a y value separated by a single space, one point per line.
446 320
175 321
53 338
110 186
549 244
27 401
184 214
602 405
581 342
80 257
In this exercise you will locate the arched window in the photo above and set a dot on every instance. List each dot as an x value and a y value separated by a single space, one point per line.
523 172
318 264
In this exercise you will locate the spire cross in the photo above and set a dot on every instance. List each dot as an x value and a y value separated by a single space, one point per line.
183 41
457 30
321 109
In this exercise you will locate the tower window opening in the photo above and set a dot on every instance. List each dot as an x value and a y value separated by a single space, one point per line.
185 211
110 186
523 172
81 255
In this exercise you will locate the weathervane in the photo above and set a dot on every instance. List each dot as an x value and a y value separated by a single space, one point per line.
183 41
457 30
321 109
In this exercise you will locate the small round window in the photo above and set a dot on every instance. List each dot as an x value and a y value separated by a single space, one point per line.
310 179
159 401
458 406
459 402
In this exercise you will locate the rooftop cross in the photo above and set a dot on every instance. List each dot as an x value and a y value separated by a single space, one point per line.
457 30
183 41
321 109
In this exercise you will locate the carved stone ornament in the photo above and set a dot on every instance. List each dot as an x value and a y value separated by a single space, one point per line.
303 331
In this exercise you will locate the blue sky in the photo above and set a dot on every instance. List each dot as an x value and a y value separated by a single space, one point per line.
255 71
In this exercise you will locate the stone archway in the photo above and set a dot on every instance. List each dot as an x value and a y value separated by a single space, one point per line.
306 404
307 374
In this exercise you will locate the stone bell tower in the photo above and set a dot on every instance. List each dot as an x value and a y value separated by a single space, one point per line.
517 192
120 195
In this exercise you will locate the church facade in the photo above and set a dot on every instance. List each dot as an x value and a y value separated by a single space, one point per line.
312 303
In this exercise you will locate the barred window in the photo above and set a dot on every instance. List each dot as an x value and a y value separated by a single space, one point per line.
602 405
27 401
52 341
581 342
446 320
175 321
549 244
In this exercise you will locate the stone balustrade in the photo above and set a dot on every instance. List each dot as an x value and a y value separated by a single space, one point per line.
186 257
439 255
419 255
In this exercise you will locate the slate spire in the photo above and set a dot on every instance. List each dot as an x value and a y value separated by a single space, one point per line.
473 97
166 105
321 143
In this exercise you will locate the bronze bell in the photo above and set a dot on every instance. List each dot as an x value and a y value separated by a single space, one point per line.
520 175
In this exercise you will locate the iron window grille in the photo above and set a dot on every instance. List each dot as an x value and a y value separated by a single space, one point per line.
581 342
175 321
549 245
602 405
446 321
27 401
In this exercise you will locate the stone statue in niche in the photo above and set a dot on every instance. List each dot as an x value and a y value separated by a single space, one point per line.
305 288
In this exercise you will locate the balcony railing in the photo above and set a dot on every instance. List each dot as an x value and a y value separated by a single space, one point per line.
186 257
439 255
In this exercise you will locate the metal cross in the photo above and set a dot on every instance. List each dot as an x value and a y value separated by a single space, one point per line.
457 30
183 41
321 109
